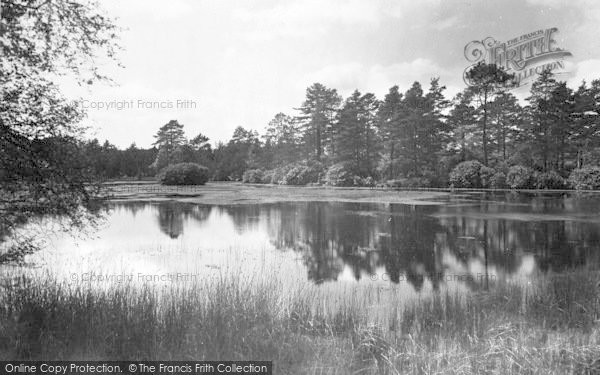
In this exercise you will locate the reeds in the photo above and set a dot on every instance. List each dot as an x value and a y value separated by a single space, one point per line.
549 326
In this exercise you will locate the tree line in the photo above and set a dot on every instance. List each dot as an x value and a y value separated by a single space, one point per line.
416 137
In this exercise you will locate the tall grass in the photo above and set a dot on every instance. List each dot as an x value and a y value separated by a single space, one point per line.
548 327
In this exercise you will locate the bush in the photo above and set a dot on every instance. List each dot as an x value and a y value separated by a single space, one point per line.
303 174
418 182
278 174
550 180
519 177
357 181
183 174
468 174
498 181
486 174
586 178
253 176
369 181
339 175
267 177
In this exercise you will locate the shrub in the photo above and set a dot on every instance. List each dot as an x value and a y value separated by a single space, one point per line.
498 181
184 174
519 177
278 174
312 173
369 181
292 177
586 178
486 174
550 180
419 182
253 176
339 175
467 174
303 174
416 182
267 177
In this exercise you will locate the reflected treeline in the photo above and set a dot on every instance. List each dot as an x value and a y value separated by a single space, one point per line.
488 234
418 243
173 215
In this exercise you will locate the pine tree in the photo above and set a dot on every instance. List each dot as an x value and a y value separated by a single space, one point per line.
168 138
356 141
504 114
388 119
317 118
487 80
548 129
282 140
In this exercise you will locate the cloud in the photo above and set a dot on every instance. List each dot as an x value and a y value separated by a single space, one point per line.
446 23
377 78
564 3
587 70
308 17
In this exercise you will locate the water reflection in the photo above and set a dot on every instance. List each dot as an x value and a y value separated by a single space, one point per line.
173 215
501 236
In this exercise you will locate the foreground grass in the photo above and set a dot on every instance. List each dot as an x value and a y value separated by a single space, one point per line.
548 328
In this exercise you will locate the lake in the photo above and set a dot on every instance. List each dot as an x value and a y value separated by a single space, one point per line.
462 242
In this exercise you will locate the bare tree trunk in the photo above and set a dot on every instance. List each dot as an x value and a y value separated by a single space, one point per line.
392 161
485 151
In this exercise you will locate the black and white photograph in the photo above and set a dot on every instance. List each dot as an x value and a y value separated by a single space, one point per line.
311 187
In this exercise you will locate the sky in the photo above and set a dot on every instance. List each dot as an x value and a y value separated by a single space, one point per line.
214 65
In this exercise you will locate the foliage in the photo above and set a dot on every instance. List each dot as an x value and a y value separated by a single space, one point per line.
388 118
42 166
498 181
369 181
169 138
339 175
520 177
316 119
277 175
408 137
548 130
108 162
282 141
486 174
267 177
184 174
420 134
303 174
587 178
468 174
550 180
356 141
486 80
242 152
253 176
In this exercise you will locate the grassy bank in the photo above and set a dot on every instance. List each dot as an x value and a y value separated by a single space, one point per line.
547 328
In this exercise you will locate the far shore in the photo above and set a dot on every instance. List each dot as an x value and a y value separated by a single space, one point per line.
226 193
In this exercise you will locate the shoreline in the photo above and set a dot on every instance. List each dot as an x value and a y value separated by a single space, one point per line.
232 193
228 193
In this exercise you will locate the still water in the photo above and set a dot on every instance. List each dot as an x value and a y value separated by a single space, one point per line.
463 240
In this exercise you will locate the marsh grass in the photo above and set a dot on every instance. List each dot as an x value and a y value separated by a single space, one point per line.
548 327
